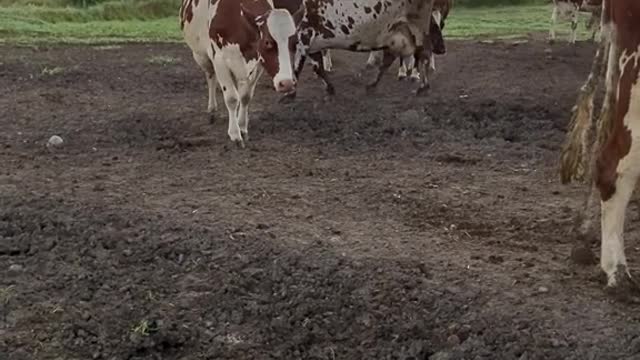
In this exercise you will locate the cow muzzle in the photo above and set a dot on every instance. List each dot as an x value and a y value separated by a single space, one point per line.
285 85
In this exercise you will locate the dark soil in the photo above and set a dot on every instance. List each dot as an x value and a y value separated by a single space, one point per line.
378 226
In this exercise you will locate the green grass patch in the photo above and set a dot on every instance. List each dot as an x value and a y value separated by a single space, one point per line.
108 23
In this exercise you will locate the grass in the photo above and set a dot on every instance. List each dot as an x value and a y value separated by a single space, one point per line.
99 25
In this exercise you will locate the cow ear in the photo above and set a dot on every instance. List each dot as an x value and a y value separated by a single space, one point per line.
298 15
254 19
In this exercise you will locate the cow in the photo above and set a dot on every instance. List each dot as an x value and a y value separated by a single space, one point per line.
293 6
612 161
194 23
244 37
441 10
571 9
397 27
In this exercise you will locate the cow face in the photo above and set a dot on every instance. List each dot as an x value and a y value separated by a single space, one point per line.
276 46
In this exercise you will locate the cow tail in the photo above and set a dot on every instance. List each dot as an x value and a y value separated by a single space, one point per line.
576 159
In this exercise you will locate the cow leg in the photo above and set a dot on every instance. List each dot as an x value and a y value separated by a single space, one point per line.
574 26
205 64
318 68
375 58
424 69
246 92
326 60
402 70
228 84
554 20
613 260
387 59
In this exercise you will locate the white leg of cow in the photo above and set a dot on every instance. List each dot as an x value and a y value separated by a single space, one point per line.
613 213
554 19
246 92
326 60
574 26
375 59
231 98
402 70
205 64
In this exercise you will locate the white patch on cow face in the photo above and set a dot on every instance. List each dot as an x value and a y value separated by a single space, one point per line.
282 28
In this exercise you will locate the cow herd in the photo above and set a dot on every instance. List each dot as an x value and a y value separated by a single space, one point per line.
235 41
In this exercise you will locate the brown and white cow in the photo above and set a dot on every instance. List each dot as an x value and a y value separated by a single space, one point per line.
571 9
293 6
194 22
617 146
396 26
244 37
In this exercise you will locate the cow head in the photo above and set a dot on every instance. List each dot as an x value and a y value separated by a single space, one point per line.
276 45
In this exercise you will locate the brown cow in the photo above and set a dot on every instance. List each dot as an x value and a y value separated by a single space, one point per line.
572 9
617 148
243 38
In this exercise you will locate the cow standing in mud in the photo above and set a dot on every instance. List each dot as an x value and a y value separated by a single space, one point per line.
441 9
397 27
617 146
571 9
243 38
294 6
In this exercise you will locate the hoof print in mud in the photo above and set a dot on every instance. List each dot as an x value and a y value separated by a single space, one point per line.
583 255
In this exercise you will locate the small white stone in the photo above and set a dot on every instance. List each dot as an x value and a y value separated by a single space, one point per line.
16 267
55 140
543 289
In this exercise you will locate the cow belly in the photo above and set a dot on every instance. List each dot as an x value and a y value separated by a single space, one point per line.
566 10
196 32
355 29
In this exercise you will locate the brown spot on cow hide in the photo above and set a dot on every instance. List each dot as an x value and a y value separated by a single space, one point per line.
619 142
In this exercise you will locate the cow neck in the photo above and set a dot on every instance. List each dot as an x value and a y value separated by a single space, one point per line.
229 26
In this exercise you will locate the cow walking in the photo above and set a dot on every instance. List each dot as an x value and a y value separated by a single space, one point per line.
441 10
616 168
396 27
293 6
571 9
194 22
243 37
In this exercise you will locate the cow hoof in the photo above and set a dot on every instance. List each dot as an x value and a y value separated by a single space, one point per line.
401 77
551 41
421 90
245 136
239 143
212 118
330 90
414 79
623 287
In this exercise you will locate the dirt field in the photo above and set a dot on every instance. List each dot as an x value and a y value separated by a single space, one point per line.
363 227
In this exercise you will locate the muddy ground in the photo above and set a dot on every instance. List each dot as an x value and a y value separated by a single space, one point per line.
377 226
